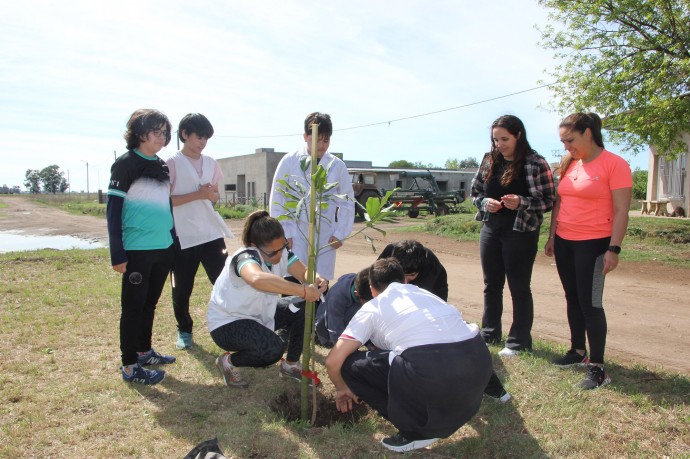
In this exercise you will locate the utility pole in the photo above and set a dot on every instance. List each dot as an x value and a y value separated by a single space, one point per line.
87 178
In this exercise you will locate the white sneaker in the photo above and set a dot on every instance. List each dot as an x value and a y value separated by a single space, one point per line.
505 352
505 398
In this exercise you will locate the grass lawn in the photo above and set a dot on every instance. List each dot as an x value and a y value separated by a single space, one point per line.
62 395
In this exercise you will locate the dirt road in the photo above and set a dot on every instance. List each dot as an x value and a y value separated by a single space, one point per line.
647 305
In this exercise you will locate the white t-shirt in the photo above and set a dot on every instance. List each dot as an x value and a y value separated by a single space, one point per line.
234 299
405 316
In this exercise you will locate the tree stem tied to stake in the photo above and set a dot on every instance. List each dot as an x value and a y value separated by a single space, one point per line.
311 277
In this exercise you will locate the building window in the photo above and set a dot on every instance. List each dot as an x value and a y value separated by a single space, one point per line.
230 187
672 176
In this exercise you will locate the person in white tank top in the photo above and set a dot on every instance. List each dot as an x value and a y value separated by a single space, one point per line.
200 229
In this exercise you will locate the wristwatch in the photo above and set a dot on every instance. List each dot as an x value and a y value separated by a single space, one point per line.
615 249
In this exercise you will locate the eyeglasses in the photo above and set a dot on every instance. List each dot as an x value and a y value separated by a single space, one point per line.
275 252
160 133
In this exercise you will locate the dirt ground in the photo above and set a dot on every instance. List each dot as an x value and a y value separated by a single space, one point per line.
646 303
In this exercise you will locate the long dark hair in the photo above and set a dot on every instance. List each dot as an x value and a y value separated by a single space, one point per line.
260 229
580 122
514 126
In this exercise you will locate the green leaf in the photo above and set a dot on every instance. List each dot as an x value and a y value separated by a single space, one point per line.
305 163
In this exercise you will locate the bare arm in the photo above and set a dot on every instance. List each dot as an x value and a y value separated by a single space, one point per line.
548 248
267 282
206 191
621 204
299 271
334 362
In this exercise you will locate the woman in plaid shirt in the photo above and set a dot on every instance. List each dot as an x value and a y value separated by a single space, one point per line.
513 189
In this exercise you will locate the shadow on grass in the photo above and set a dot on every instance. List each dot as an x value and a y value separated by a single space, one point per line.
659 387
501 429
197 411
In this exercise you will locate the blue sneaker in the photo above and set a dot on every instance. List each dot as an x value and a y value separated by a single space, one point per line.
154 358
142 376
184 340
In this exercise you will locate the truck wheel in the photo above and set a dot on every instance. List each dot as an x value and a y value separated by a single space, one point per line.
363 198
441 210
413 213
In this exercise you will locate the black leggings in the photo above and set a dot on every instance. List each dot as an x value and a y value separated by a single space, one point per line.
580 266
507 254
254 345
212 256
142 284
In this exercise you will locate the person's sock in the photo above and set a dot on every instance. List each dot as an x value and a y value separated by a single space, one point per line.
226 362
129 368
288 366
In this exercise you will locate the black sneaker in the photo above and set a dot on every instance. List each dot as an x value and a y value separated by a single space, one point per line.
571 358
400 444
596 377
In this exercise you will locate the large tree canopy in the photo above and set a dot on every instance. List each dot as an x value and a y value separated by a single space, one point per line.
629 61
53 180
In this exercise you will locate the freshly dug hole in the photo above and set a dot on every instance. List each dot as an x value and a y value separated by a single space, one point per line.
287 404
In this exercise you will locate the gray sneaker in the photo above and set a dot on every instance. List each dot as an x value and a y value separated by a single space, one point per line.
232 375
596 377
293 373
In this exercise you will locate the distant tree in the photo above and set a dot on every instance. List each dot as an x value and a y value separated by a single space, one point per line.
628 60
404 164
32 181
401 164
456 163
639 184
452 163
53 180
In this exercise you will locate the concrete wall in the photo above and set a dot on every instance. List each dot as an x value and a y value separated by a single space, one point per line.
250 177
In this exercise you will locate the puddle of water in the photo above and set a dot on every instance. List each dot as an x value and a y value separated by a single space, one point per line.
16 242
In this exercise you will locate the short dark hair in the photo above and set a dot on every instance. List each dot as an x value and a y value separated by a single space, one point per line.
195 123
362 286
260 229
324 122
384 272
581 121
411 254
142 122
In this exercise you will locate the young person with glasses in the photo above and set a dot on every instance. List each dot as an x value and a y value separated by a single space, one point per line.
246 316
141 235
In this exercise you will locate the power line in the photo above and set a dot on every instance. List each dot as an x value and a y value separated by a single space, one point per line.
398 119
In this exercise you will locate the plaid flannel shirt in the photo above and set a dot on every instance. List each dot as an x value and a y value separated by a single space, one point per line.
530 212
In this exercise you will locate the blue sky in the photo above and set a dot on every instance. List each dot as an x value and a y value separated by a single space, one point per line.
74 71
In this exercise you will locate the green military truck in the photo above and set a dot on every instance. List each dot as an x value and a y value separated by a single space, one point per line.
424 195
